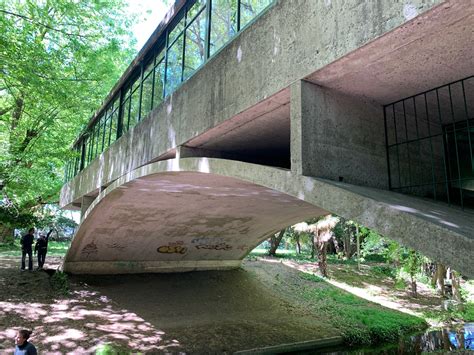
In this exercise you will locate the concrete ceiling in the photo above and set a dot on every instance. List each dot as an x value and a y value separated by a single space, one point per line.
212 217
431 50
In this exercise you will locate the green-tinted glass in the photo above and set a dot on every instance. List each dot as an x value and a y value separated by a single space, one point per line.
174 66
195 9
146 95
195 45
249 9
223 23
176 32
159 81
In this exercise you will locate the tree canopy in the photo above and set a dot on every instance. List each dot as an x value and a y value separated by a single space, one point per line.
58 60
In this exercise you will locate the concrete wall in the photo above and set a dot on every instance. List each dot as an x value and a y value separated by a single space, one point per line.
342 137
289 42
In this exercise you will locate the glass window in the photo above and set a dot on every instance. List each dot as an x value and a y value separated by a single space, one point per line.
125 114
195 45
249 9
159 81
176 31
147 93
174 65
134 107
194 10
223 23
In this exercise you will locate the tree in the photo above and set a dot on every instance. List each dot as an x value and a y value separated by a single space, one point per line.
275 241
58 59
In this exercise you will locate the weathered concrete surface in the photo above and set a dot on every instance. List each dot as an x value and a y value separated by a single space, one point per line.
291 41
218 210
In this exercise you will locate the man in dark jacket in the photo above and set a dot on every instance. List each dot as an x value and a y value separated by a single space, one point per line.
26 248
41 247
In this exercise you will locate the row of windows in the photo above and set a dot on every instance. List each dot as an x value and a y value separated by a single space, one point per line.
200 29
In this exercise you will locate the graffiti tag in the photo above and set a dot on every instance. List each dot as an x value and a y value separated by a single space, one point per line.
172 248
89 249
219 246
115 246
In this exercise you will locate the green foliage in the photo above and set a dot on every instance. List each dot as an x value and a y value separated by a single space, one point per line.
384 270
112 349
58 59
463 312
55 248
60 283
360 321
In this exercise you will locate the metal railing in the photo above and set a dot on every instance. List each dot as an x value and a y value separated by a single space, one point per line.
429 143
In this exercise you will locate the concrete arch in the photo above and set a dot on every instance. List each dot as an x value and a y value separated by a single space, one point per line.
202 213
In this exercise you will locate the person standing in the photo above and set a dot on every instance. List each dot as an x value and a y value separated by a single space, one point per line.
41 247
22 346
26 248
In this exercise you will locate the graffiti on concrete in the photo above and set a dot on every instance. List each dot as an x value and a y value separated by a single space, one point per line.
173 248
89 249
115 246
210 244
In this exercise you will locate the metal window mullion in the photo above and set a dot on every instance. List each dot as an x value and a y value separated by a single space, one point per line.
238 15
456 145
165 77
468 126
408 147
141 92
120 115
207 44
417 136
183 53
153 81
396 142
386 143
433 177
444 148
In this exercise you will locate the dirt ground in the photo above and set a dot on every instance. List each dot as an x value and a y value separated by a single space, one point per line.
218 312
191 312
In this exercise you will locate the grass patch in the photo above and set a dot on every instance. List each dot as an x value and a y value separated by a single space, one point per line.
462 312
60 283
361 322
54 248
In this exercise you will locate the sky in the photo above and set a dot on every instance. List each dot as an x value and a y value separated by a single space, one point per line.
151 12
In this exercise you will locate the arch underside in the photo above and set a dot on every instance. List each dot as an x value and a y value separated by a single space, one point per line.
199 213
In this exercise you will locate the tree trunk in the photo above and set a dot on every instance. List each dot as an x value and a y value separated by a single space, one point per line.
347 245
414 292
313 242
298 244
440 275
6 234
275 242
322 258
456 286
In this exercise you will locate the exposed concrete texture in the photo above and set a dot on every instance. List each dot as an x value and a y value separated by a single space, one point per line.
291 41
342 137
230 204
86 201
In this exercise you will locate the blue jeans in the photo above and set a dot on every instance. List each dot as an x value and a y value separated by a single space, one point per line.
30 259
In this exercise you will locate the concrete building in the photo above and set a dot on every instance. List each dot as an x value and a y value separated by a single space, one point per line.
237 120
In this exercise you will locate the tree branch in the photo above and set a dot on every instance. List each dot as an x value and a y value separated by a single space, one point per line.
44 25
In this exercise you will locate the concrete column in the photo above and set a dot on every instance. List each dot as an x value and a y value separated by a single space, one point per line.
337 136
86 201
295 127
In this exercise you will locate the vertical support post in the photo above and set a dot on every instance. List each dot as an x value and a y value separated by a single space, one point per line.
387 147
456 146
207 44
296 130
141 91
358 247
120 115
